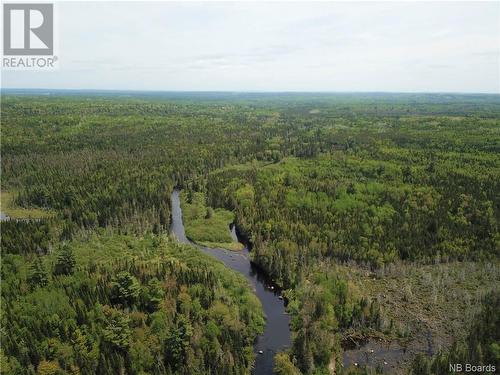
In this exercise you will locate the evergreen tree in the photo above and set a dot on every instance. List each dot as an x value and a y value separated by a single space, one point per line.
38 275
210 213
66 262
125 289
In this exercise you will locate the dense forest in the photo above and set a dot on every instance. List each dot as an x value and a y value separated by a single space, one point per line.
336 194
119 304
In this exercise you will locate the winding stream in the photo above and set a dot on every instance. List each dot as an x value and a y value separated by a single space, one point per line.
276 334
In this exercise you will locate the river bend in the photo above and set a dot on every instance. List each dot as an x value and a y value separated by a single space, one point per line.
276 335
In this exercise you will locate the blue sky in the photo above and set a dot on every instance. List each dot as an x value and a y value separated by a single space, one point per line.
326 46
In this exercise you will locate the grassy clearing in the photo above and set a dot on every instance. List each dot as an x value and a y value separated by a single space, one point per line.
9 208
206 226
233 246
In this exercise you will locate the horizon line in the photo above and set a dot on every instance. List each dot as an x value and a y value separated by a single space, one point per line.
2 89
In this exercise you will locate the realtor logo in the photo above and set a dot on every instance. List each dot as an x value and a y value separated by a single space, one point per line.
28 29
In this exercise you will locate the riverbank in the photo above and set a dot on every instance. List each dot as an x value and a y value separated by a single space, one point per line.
207 226
150 301
276 336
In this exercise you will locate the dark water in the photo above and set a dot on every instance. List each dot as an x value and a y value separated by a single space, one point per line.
276 334
375 354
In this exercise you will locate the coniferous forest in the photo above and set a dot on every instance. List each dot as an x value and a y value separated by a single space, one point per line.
377 214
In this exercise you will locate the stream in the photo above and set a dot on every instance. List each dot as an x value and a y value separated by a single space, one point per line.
276 335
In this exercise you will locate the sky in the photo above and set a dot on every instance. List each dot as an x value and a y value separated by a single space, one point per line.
262 46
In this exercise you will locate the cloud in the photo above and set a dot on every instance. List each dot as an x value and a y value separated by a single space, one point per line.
332 46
